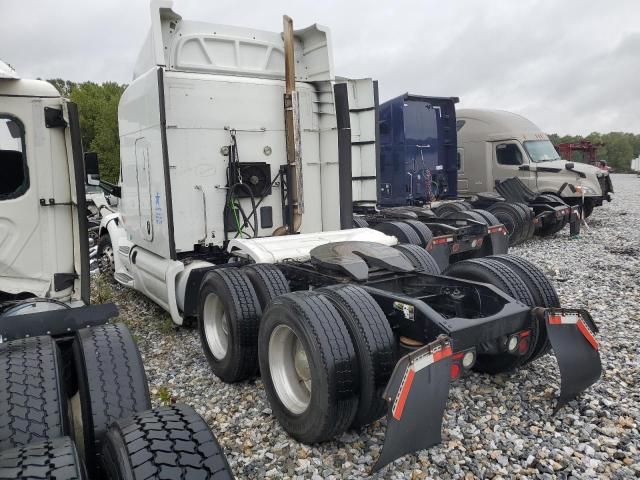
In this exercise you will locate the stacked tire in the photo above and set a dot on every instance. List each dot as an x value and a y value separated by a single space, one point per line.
104 387
523 281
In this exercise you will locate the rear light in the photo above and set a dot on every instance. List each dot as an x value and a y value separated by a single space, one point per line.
455 248
518 343
442 240
462 362
469 359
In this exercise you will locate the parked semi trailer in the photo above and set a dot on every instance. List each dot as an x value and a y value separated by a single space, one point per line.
420 165
235 182
496 145
376 203
74 400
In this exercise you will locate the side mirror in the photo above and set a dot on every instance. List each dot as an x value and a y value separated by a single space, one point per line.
91 168
569 165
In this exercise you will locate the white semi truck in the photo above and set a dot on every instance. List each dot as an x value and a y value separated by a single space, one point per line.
495 145
73 391
236 180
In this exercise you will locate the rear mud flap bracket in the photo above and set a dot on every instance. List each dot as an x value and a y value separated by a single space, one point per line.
417 395
572 336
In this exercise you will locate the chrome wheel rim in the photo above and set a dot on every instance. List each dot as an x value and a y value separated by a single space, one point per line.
290 370
216 326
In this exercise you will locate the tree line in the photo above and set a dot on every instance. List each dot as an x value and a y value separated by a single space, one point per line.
98 107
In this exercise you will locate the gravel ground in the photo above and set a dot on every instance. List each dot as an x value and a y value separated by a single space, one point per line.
494 427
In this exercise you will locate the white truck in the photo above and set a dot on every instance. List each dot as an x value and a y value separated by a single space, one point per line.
236 179
494 145
73 391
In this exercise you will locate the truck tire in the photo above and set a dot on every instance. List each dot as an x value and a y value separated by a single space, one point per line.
544 294
557 225
374 344
360 222
420 259
504 278
450 207
403 232
422 230
171 442
268 282
489 217
529 228
512 219
228 322
309 366
111 382
33 402
53 459
467 215
587 208
105 254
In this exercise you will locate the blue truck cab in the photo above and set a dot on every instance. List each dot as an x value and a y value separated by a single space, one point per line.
418 150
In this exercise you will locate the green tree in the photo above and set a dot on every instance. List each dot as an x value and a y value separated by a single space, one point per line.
63 86
619 150
98 108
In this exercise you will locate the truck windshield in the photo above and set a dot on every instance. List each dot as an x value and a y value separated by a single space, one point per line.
541 150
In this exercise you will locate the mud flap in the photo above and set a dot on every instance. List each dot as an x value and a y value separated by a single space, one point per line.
575 221
417 394
572 336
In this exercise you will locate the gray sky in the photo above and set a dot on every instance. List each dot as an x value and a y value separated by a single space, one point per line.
571 66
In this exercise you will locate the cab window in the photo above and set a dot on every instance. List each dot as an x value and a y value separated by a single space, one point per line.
508 154
14 180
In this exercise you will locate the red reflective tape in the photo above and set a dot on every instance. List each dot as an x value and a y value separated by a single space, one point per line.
458 356
555 319
444 353
587 334
404 393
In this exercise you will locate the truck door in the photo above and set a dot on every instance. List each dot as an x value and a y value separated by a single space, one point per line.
463 180
19 211
144 191
36 236
510 161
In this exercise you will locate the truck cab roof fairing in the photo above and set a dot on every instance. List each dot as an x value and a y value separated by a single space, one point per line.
193 46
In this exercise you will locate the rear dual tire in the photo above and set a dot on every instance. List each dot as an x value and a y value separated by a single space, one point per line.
419 258
402 230
513 218
543 292
228 321
309 366
558 224
374 344
503 277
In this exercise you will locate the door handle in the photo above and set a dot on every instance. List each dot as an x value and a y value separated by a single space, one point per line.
204 211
